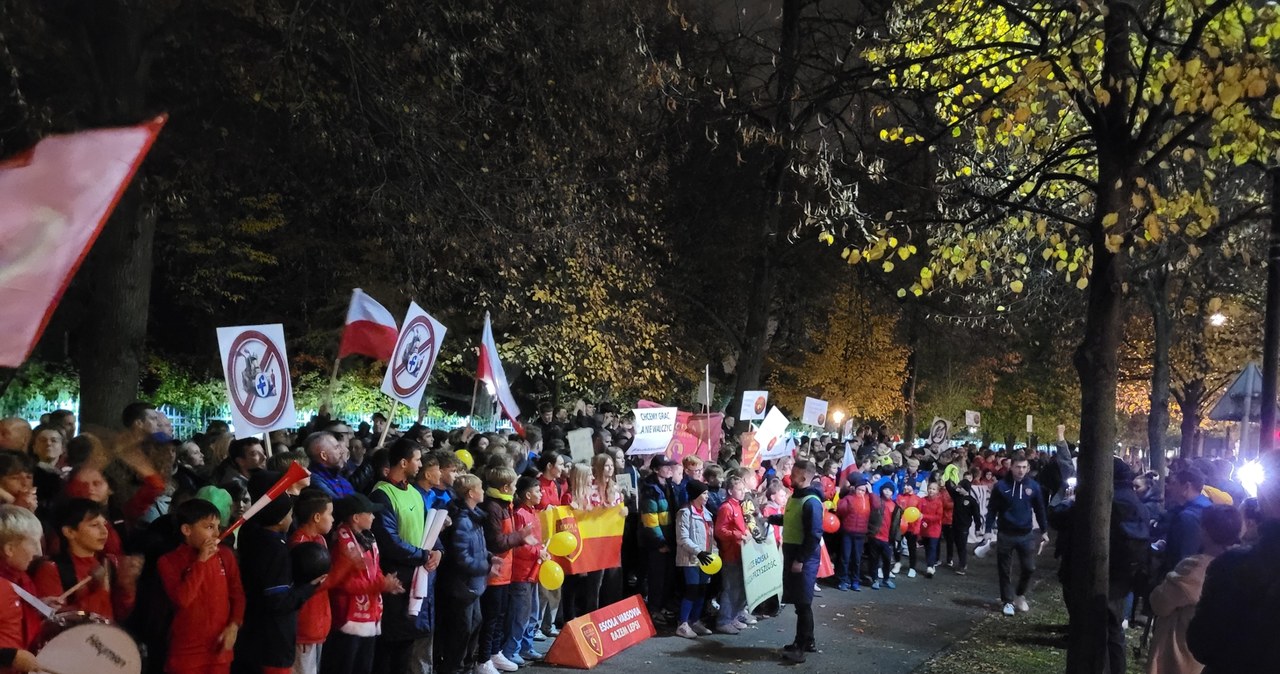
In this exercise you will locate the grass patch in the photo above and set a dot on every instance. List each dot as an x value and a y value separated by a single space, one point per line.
1033 642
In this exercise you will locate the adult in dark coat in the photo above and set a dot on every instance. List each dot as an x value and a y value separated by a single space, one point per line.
801 537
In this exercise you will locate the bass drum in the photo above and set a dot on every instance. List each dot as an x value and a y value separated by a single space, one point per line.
76 642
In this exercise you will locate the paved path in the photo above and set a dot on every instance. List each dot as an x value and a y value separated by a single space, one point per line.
867 631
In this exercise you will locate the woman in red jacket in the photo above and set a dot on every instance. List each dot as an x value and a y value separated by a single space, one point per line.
931 511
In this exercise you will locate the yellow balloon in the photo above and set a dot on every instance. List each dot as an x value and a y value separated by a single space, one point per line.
551 576
910 514
712 567
465 457
562 543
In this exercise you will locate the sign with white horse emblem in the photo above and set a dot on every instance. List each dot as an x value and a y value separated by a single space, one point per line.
414 357
256 370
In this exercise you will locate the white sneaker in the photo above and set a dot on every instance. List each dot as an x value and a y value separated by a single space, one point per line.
503 664
685 631
1021 603
1124 624
911 573
747 618
897 566
929 571
1008 609
486 667
699 629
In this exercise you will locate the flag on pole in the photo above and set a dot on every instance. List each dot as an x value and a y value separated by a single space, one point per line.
370 330
54 200
490 372
848 464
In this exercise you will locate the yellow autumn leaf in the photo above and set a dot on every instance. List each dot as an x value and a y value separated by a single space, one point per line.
1016 286
1110 219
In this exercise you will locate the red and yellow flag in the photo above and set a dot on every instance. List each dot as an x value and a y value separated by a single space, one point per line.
599 534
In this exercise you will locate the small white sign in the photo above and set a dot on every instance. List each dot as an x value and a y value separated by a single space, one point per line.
1030 424
972 418
815 412
654 428
256 370
770 435
414 357
754 405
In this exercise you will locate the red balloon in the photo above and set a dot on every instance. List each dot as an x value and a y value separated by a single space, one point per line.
830 523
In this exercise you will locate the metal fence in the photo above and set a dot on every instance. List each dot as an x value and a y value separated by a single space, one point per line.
188 422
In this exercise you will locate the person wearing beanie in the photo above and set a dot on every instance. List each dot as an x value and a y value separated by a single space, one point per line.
695 545
268 639
221 499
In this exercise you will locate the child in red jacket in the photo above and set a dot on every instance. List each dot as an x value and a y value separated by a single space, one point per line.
203 583
313 512
854 511
356 595
730 534
910 530
20 534
109 590
931 511
883 527
526 559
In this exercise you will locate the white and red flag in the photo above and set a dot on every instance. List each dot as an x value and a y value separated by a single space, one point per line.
370 329
849 464
490 372
54 200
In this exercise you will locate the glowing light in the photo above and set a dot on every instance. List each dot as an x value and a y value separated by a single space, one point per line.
1218 320
1250 476
837 416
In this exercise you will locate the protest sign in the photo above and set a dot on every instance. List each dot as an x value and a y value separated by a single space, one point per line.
769 435
581 447
754 405
972 418
654 428
256 370
414 357
815 412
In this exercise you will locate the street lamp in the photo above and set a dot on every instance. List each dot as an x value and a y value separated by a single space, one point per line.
1218 319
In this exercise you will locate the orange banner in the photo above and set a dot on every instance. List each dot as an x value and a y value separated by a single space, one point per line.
599 534
587 641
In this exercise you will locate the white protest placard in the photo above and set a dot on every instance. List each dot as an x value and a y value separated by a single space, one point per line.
1030 424
769 435
706 392
972 418
654 428
815 412
761 571
939 432
414 357
581 447
754 405
256 370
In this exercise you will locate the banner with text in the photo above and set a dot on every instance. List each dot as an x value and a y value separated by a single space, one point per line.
654 428
591 639
761 571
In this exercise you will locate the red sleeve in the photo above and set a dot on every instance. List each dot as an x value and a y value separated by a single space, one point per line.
724 522
47 579
235 590
151 489
843 507
122 598
350 582
183 584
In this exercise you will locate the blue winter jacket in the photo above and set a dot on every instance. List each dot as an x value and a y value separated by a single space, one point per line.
1013 504
466 557
1182 531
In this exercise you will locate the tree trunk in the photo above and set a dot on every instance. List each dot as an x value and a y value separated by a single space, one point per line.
1192 399
116 278
763 278
1162 324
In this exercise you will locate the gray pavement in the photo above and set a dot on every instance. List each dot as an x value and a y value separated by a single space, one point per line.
868 631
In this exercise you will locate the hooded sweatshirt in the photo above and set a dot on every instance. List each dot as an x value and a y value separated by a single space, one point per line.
1013 502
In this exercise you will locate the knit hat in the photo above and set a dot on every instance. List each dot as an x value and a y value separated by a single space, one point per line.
696 489
220 500
274 512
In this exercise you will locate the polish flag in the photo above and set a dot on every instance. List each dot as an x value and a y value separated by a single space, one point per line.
490 372
370 330
54 200
848 465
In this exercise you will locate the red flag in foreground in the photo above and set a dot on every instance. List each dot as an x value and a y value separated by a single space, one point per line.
370 329
491 373
54 200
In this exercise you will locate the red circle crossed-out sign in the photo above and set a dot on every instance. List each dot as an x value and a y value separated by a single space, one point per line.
258 378
415 356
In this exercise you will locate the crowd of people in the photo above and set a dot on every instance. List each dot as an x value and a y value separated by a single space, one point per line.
332 578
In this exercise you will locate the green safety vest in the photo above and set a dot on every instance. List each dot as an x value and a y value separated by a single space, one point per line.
411 516
793 519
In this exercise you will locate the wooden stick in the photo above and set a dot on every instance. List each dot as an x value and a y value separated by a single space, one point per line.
333 383
391 414
475 392
74 588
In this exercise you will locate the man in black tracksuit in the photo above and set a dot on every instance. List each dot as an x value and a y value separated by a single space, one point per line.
1013 502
